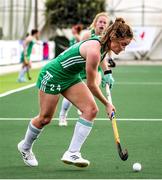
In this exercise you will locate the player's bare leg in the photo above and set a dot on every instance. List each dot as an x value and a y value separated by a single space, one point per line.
84 124
48 105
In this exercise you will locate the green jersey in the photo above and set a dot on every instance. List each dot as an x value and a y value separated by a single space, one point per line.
93 33
72 41
83 73
63 71
28 51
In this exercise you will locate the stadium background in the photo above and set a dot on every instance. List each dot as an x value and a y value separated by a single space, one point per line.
19 17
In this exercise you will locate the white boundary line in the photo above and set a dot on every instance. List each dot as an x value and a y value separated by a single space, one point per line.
17 90
99 119
138 83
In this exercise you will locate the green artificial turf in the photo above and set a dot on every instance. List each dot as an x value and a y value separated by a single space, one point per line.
9 81
136 95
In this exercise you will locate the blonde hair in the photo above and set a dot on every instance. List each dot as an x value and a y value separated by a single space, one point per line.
118 30
92 26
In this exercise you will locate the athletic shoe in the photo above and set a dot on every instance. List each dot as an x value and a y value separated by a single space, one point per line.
74 159
28 156
21 80
63 121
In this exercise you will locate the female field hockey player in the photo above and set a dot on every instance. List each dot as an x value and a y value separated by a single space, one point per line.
100 22
76 30
25 56
62 76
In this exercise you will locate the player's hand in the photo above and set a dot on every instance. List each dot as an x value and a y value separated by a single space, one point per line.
110 108
108 79
26 62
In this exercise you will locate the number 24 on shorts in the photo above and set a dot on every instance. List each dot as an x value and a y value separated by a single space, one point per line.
54 87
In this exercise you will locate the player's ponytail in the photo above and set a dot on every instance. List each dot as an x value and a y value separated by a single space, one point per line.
118 30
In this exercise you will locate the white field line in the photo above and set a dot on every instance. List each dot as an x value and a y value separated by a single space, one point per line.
138 83
98 119
17 90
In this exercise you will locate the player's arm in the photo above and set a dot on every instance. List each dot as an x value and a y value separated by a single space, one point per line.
104 65
108 78
77 37
86 35
92 63
90 50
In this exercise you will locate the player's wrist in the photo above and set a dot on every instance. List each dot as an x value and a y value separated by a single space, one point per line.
107 103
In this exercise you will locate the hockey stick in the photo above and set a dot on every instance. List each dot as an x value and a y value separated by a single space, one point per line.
28 75
122 153
27 72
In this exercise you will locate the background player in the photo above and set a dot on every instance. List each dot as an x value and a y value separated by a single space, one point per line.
76 30
28 43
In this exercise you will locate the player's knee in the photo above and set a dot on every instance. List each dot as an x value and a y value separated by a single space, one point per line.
95 111
45 120
92 111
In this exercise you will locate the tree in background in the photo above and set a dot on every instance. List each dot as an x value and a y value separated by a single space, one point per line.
65 13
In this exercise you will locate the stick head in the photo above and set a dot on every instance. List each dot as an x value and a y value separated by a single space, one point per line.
122 153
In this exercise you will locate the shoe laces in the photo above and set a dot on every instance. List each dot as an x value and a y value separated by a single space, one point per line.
28 155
